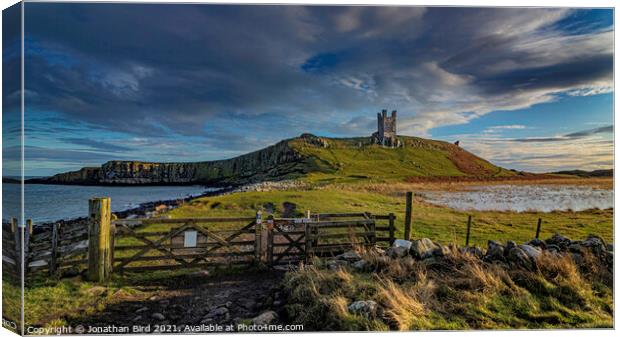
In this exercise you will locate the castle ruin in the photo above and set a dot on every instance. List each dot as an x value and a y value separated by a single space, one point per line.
386 129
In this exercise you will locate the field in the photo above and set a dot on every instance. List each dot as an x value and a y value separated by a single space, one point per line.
54 303
438 223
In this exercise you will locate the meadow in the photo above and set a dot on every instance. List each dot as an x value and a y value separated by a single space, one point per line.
51 302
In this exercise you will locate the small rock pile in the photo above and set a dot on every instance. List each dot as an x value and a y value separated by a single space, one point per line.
511 255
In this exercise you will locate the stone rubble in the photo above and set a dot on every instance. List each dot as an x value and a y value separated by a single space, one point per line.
364 308
512 255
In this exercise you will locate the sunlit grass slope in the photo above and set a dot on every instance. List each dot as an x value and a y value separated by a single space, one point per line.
438 223
357 159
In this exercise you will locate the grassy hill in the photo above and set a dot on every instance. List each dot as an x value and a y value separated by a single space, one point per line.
312 158
358 159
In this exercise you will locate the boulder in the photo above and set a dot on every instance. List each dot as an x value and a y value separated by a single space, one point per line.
396 252
423 248
158 316
337 264
218 312
402 243
495 252
365 308
577 247
553 248
362 265
510 245
531 251
517 256
442 251
266 318
595 243
475 251
537 243
350 256
559 240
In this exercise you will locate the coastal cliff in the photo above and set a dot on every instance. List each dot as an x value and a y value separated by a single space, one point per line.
327 158
279 161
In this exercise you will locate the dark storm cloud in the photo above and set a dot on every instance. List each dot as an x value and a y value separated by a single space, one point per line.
158 70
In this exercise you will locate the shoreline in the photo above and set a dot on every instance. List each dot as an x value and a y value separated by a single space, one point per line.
146 209
141 210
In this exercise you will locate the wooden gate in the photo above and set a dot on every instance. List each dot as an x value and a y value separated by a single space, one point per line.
154 244
326 234
287 240
133 245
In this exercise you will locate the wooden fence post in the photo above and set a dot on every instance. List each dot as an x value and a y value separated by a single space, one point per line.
308 238
257 237
392 229
538 227
99 248
373 231
267 244
408 216
468 230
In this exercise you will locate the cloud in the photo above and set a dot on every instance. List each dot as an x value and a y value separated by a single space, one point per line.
500 128
570 136
588 150
97 145
590 132
277 71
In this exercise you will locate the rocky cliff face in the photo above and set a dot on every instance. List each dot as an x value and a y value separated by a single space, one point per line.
275 162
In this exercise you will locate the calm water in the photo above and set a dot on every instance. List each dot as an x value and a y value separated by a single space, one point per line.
54 202
522 198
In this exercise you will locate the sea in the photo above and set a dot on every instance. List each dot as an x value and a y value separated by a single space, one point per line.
47 203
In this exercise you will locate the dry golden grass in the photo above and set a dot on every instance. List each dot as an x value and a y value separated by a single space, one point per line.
402 307
457 292
400 188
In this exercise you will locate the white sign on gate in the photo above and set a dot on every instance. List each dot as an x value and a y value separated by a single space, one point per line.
191 239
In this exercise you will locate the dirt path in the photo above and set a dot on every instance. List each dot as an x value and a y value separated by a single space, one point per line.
195 299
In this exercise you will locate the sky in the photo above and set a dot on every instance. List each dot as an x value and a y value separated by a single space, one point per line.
526 88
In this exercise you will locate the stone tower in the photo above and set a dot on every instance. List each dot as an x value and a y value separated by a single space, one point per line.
386 129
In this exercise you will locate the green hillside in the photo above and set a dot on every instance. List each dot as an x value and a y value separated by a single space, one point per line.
358 158
308 157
